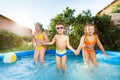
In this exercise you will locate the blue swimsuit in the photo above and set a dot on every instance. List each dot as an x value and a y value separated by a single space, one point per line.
60 53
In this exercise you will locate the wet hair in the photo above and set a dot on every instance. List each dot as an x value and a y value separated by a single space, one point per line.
40 25
90 24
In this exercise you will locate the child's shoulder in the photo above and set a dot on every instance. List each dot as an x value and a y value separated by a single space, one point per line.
56 35
66 36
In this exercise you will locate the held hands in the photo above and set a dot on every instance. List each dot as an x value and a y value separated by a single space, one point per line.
45 43
78 49
76 52
42 42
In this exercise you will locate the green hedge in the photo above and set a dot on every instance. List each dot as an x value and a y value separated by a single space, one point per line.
9 40
108 33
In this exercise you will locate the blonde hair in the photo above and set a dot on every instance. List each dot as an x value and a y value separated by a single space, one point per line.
88 25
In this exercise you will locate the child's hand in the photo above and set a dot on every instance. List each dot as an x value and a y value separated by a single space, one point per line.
42 42
106 55
76 52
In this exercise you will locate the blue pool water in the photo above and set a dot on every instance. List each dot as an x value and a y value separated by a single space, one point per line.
25 69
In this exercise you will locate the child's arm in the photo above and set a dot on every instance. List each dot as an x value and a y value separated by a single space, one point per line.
50 43
45 38
101 47
69 46
81 45
33 41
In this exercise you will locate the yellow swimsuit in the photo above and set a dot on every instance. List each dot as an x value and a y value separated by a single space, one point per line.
40 36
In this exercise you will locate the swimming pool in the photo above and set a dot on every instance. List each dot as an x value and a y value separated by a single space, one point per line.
25 69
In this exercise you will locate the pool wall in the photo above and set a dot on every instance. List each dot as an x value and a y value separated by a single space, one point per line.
114 56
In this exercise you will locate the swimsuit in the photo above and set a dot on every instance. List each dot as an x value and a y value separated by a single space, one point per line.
87 42
60 53
40 36
39 47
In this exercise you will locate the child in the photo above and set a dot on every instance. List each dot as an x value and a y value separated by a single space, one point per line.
62 41
87 43
39 37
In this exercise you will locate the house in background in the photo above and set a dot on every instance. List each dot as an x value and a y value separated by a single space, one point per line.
115 16
12 26
108 9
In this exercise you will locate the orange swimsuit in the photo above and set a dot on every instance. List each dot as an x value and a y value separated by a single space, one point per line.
87 42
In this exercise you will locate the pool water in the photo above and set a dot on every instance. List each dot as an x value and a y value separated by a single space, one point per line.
25 69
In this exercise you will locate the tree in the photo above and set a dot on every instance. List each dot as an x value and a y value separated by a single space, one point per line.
108 32
65 17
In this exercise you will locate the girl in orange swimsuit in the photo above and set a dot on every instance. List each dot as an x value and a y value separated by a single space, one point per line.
87 43
39 37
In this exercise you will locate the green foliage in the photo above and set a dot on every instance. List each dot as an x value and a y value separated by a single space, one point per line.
65 17
9 40
75 24
24 46
26 38
78 27
80 20
107 31
51 47
116 9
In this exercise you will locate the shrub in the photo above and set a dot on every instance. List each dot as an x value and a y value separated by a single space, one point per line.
9 40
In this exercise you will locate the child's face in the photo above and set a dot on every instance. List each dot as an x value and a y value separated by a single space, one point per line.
60 29
90 30
37 27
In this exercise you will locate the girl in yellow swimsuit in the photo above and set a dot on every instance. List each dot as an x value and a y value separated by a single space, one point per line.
87 43
39 37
